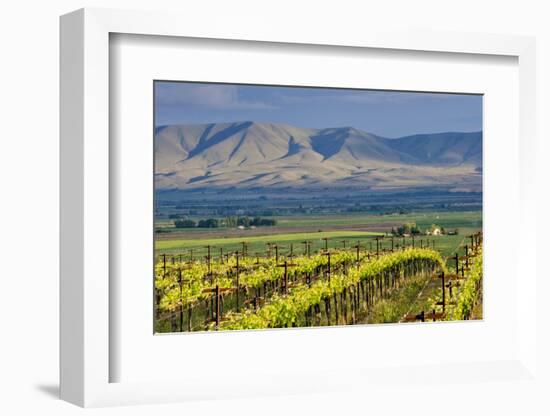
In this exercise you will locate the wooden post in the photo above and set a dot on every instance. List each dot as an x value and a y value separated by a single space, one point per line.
217 306
442 290
286 265
285 278
326 243
307 245
456 263
189 318
392 244
209 257
238 273
181 300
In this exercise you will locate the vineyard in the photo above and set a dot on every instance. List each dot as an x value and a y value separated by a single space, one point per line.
373 281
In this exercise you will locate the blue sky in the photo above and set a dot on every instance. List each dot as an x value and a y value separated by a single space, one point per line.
386 113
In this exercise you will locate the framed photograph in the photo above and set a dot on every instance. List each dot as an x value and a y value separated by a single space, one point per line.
291 212
268 216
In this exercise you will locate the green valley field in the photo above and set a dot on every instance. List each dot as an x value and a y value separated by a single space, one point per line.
338 229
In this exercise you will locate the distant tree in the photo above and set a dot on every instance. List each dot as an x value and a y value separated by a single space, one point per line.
186 223
402 229
231 221
414 229
408 228
244 221
208 223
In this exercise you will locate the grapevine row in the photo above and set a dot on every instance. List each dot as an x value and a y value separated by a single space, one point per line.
364 283
471 290
184 284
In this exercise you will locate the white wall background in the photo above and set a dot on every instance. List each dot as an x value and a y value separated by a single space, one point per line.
29 57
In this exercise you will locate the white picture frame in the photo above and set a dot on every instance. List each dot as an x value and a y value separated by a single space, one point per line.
86 356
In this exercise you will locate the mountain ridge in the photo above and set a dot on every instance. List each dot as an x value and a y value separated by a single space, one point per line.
252 154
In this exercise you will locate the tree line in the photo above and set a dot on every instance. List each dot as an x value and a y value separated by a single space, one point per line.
229 222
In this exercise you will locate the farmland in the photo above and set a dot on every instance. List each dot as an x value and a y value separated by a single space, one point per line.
323 270
337 228
333 287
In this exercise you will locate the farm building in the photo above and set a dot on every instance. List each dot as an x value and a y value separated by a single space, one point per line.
434 231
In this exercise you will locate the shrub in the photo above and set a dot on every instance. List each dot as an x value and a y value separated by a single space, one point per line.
209 223
185 224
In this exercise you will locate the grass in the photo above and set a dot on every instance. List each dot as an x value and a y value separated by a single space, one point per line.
467 223
392 309
258 243
423 219
415 296
447 219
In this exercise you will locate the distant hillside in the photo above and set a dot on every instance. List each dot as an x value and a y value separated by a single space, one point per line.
251 155
442 149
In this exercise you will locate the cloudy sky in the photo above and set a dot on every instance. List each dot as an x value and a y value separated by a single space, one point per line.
386 113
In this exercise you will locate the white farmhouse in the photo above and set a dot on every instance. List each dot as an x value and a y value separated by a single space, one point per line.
434 231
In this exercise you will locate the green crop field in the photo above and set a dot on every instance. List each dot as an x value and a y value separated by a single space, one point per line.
315 228
469 219
447 219
259 243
